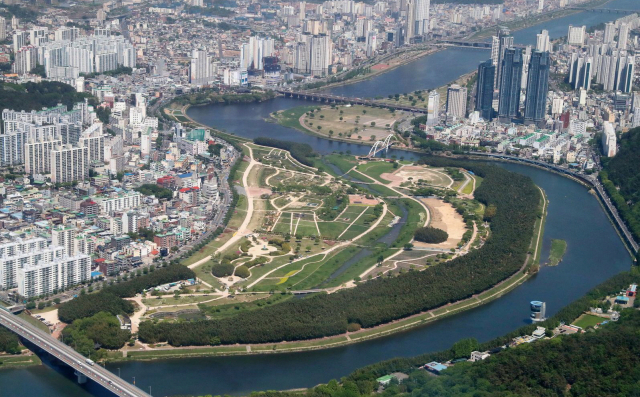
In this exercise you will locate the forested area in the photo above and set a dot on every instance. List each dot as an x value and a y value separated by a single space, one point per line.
110 299
101 329
35 96
621 179
9 341
299 151
593 364
386 299
431 235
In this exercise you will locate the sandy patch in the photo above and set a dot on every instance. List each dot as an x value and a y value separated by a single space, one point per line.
445 217
362 200
380 66
258 191
395 180
51 316
258 250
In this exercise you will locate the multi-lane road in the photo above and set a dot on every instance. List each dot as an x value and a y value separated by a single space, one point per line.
69 356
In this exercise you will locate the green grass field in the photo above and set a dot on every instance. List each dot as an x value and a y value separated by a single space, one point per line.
290 117
588 320
375 169
343 163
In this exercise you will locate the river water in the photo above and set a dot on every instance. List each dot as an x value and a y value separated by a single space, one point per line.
594 253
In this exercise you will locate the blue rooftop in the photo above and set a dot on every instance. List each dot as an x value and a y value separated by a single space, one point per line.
187 175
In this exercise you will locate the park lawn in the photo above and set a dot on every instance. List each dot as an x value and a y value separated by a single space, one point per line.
284 223
19 361
343 163
375 169
588 320
315 274
382 190
558 249
331 230
358 177
149 354
290 117
306 228
354 231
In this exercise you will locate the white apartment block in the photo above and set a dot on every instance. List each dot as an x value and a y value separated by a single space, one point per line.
37 155
609 140
119 202
69 163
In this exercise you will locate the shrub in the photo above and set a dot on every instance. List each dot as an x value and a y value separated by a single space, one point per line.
431 235
243 272
223 269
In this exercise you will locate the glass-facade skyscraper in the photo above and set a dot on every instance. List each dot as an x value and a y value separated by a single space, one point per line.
510 82
484 89
537 88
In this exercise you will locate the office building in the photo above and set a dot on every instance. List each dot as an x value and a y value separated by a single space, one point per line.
484 90
457 101
433 108
510 84
537 88
69 163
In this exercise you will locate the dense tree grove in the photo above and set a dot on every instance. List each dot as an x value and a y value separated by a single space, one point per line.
110 299
431 235
386 299
90 304
102 328
222 269
9 342
299 151
35 96
621 179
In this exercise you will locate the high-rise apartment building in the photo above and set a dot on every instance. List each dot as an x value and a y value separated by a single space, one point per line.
433 108
542 41
503 41
537 88
623 36
484 89
609 32
69 163
37 155
576 35
609 144
580 71
457 101
3 29
201 70
510 84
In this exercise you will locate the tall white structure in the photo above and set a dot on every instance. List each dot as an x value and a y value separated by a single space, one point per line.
3 29
457 101
69 163
201 70
20 39
609 140
623 36
145 143
609 32
417 18
93 139
313 54
37 155
581 71
433 108
576 35
36 268
252 53
542 41
540 5
88 54
26 58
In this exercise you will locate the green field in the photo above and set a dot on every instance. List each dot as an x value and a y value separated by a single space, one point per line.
343 163
290 117
588 320
558 249
375 169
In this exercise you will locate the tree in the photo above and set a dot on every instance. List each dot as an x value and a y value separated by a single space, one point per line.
408 247
373 123
431 235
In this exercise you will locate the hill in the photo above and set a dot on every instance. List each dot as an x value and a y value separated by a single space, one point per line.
621 179
35 96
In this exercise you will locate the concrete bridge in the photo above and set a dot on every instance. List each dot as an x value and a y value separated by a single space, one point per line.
328 98
472 44
84 369
604 10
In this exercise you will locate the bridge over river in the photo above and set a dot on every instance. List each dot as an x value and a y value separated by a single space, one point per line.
84 369
328 98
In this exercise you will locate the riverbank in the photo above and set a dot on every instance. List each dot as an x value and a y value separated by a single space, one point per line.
364 334
514 26
19 361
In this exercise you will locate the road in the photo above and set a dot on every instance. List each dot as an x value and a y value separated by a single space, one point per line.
69 356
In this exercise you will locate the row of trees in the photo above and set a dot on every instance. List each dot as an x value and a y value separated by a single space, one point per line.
110 300
386 299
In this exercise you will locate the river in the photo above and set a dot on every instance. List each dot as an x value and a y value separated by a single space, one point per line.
594 253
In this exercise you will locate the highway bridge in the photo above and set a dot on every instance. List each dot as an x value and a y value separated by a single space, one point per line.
328 98
472 44
84 369
611 209
604 10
